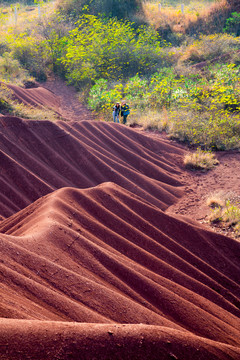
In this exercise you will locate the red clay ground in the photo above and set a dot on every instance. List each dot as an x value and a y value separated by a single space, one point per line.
95 264
200 185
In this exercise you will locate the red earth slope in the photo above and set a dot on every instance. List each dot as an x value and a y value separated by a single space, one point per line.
37 96
38 157
104 255
96 269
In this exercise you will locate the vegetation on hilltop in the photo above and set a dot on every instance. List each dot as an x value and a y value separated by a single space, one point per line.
120 9
107 57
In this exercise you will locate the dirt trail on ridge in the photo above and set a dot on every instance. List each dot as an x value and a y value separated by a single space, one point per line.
70 107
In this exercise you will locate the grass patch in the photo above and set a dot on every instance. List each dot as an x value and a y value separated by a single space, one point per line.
151 120
200 160
217 199
225 211
171 17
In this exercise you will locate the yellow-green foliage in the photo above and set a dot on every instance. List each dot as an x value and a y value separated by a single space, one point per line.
29 41
200 160
202 109
110 49
11 71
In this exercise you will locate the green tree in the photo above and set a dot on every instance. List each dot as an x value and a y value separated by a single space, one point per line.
111 49
121 9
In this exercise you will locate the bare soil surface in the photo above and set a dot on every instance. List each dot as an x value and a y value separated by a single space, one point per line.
200 185
101 256
70 106
223 178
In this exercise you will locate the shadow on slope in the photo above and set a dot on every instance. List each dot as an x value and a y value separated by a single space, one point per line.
104 255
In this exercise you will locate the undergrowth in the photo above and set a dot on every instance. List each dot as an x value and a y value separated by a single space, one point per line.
197 108
225 211
200 160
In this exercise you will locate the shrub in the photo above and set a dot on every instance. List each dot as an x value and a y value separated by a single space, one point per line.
11 71
233 24
228 215
209 47
110 49
103 98
200 160
31 55
121 9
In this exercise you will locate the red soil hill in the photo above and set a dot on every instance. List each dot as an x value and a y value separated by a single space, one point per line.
96 269
104 255
38 157
38 96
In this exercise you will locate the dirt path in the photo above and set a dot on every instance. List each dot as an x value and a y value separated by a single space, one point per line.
70 107
199 185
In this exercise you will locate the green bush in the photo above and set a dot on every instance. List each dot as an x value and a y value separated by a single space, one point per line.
199 109
111 49
233 24
11 71
30 52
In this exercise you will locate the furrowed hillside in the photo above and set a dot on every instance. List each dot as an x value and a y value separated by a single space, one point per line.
117 241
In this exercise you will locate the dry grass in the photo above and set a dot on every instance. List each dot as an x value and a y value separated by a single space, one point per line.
150 120
26 16
219 198
34 113
225 210
173 17
215 201
168 16
200 160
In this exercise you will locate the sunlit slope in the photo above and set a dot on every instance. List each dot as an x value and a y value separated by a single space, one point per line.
104 255
38 157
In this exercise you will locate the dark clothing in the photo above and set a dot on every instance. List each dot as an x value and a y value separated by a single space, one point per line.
125 112
117 109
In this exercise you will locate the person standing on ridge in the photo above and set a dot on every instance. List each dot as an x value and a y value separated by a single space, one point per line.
125 111
116 111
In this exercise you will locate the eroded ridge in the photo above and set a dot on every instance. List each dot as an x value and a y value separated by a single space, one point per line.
38 157
104 255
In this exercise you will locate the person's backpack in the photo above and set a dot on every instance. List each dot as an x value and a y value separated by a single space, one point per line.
127 111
